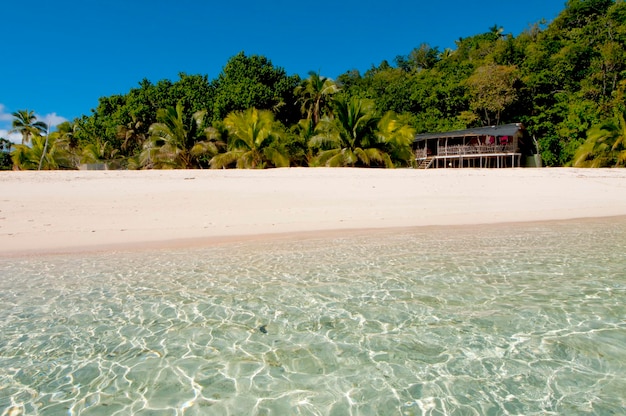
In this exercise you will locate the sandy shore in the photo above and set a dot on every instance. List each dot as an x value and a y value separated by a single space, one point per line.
88 210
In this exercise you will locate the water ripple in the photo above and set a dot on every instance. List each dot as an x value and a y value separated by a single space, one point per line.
523 319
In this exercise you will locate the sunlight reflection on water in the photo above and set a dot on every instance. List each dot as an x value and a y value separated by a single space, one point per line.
519 319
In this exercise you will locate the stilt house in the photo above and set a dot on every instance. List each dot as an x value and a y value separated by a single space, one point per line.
482 147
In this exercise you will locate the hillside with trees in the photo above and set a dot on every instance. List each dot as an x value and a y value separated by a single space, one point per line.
564 81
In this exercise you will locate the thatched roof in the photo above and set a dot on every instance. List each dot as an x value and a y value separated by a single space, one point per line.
498 131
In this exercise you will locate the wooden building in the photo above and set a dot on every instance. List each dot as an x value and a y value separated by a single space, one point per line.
482 147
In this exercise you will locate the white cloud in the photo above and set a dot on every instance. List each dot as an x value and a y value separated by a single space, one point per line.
5 125
12 137
51 119
4 116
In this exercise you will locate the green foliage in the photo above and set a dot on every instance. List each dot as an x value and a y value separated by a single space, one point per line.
52 151
66 135
25 122
579 13
492 90
561 80
605 145
570 75
247 82
51 156
606 141
314 94
423 57
176 141
99 152
478 48
350 139
390 88
296 142
255 141
124 120
5 154
397 134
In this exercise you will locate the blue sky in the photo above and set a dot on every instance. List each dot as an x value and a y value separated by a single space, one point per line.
61 56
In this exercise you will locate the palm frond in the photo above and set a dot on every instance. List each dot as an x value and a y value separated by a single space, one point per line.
350 157
337 161
252 133
604 145
583 154
324 141
32 157
204 149
324 156
224 160
278 159
198 117
250 160
379 156
363 156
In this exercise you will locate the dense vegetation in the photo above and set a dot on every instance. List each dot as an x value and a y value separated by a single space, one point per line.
564 81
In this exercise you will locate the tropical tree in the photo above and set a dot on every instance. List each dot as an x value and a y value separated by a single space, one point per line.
66 136
314 94
255 141
605 145
5 154
349 138
50 156
66 132
300 134
253 81
25 122
99 151
132 134
423 57
492 90
398 135
175 142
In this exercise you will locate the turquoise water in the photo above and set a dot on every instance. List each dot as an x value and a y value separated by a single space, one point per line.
518 319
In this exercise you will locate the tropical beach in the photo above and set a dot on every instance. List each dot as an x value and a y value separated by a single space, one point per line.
74 211
313 291
403 224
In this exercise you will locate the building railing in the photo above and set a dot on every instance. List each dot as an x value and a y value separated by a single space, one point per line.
469 150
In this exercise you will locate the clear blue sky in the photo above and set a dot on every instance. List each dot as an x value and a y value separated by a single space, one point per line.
61 56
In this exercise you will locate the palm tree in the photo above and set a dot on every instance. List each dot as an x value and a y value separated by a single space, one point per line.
350 139
302 133
254 141
398 134
66 135
314 94
66 132
605 144
175 142
133 134
25 122
98 151
39 156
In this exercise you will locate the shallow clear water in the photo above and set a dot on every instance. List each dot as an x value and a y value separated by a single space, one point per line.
519 319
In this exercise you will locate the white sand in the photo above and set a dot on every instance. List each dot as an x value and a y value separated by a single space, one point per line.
86 210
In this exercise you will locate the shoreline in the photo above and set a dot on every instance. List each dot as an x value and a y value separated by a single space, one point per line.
64 212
